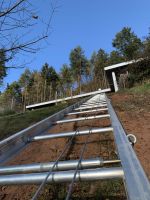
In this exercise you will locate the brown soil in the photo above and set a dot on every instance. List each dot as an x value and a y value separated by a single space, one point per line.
99 145
134 113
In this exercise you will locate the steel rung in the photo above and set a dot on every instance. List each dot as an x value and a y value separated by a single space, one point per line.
61 165
89 107
61 177
90 104
87 111
70 134
82 118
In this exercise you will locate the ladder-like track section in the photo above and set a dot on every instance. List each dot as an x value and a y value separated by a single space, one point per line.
126 166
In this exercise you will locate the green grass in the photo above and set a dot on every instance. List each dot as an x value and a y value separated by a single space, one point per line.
133 99
144 88
139 89
12 124
7 112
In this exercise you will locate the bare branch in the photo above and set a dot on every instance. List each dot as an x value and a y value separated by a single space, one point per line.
54 8
19 20
11 9
21 46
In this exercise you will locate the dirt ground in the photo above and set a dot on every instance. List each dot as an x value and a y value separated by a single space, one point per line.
134 113
99 145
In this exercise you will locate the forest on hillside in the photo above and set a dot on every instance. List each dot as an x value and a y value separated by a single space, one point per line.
81 74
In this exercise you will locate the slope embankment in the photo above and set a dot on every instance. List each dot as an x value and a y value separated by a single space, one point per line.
133 109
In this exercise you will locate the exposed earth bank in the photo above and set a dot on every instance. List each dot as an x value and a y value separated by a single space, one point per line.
134 113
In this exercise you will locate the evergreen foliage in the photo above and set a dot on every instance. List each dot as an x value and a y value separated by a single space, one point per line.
127 43
80 75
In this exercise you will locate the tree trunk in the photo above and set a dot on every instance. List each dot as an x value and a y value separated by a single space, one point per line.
50 91
56 97
37 93
24 105
79 83
12 103
41 92
71 91
44 95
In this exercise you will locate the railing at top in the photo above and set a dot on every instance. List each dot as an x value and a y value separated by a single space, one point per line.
67 98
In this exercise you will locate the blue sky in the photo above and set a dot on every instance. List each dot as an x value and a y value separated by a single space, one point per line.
92 24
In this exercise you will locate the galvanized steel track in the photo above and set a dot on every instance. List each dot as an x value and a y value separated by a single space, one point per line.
131 172
136 181
12 145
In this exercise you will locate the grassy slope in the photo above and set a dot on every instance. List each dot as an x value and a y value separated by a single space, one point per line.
12 124
132 99
142 89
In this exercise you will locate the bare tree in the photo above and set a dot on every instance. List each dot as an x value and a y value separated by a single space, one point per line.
22 27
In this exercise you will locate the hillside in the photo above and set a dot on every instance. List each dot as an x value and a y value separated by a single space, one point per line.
133 109
11 124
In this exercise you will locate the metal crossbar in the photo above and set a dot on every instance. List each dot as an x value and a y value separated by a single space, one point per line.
63 176
82 119
88 111
61 165
69 134
91 106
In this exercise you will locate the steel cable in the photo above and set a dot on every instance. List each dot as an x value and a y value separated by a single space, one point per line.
77 168
79 163
56 162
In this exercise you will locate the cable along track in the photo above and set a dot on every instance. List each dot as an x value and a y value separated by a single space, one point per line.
94 158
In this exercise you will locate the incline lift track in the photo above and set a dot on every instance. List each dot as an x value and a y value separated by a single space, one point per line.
129 170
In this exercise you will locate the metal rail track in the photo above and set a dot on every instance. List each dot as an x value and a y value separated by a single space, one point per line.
131 172
12 145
